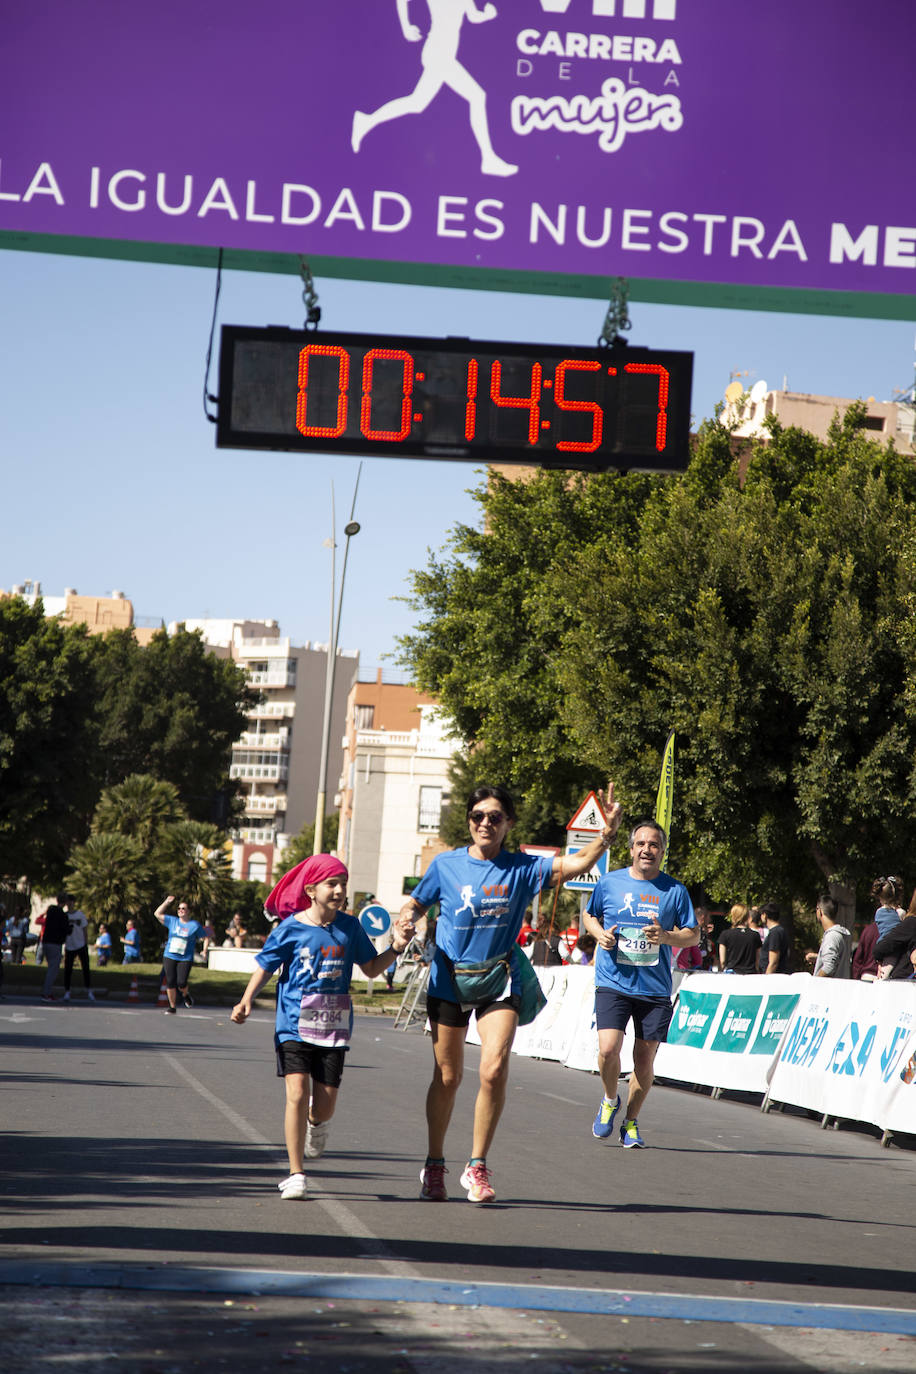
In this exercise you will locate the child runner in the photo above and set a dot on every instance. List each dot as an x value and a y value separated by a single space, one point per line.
316 950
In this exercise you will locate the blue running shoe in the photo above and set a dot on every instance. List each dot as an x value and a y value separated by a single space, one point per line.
630 1138
603 1123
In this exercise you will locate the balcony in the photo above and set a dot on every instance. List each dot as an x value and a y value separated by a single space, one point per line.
379 738
251 739
272 678
272 710
250 834
265 805
260 772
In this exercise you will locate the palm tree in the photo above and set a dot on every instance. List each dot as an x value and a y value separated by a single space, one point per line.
140 806
197 860
109 877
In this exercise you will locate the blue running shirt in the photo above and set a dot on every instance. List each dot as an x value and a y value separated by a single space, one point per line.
182 937
317 962
634 966
482 905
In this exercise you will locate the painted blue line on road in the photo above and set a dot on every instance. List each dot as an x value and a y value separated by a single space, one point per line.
534 1297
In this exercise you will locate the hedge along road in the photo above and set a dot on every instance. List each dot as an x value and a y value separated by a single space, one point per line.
142 1152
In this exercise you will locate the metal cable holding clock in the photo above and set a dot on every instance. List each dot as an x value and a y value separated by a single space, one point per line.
309 296
208 396
617 318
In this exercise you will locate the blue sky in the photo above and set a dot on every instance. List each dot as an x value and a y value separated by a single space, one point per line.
110 476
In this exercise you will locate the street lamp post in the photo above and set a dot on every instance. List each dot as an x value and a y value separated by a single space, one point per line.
351 528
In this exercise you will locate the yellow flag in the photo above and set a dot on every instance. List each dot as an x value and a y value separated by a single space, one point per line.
665 798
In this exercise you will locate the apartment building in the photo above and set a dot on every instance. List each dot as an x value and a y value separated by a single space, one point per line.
747 411
277 758
395 782
98 613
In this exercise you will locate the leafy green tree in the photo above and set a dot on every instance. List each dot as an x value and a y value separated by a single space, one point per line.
766 616
247 897
48 742
300 846
79 713
173 710
489 646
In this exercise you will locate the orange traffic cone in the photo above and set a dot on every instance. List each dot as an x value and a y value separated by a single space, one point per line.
163 995
134 994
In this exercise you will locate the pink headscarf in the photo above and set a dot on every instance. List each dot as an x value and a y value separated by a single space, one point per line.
290 896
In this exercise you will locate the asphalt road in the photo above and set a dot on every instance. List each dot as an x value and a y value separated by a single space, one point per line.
143 1230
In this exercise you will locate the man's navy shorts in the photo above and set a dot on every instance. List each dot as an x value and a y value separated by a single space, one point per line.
651 1016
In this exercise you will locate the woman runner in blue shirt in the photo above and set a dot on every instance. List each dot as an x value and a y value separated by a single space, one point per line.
483 891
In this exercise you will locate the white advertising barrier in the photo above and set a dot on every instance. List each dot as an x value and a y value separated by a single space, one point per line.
565 1029
551 1031
726 1029
583 1051
850 1052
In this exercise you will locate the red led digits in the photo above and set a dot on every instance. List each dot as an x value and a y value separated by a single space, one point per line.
343 382
408 373
663 375
529 403
398 355
563 403
470 410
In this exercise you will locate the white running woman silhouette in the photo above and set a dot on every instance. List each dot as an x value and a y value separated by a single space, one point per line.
467 895
439 59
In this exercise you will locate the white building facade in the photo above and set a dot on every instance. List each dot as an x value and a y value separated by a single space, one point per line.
277 758
397 785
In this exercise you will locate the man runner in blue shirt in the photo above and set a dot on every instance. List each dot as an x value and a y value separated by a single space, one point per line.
633 914
483 891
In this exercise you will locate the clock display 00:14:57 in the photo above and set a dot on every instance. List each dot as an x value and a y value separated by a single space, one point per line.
395 394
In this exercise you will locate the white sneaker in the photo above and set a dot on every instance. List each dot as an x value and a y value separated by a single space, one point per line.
91 995
66 997
316 1138
294 1188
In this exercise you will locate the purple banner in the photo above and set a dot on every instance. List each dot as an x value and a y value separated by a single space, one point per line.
703 141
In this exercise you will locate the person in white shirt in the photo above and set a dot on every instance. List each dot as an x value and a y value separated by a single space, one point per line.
76 947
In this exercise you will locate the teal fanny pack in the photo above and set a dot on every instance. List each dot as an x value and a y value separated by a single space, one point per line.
476 984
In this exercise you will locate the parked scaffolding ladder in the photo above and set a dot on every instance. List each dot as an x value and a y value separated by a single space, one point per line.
413 1001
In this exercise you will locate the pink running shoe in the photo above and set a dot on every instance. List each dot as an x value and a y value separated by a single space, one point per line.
476 1178
432 1177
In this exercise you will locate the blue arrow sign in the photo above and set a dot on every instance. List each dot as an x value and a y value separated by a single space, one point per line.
375 920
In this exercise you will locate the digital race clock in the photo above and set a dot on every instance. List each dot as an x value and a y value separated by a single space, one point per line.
454 399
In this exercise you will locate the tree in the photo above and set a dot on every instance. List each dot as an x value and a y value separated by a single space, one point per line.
247 897
48 741
109 877
143 846
300 846
80 712
488 646
140 807
769 620
173 710
197 866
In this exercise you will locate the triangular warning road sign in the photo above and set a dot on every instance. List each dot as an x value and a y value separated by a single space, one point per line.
590 815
